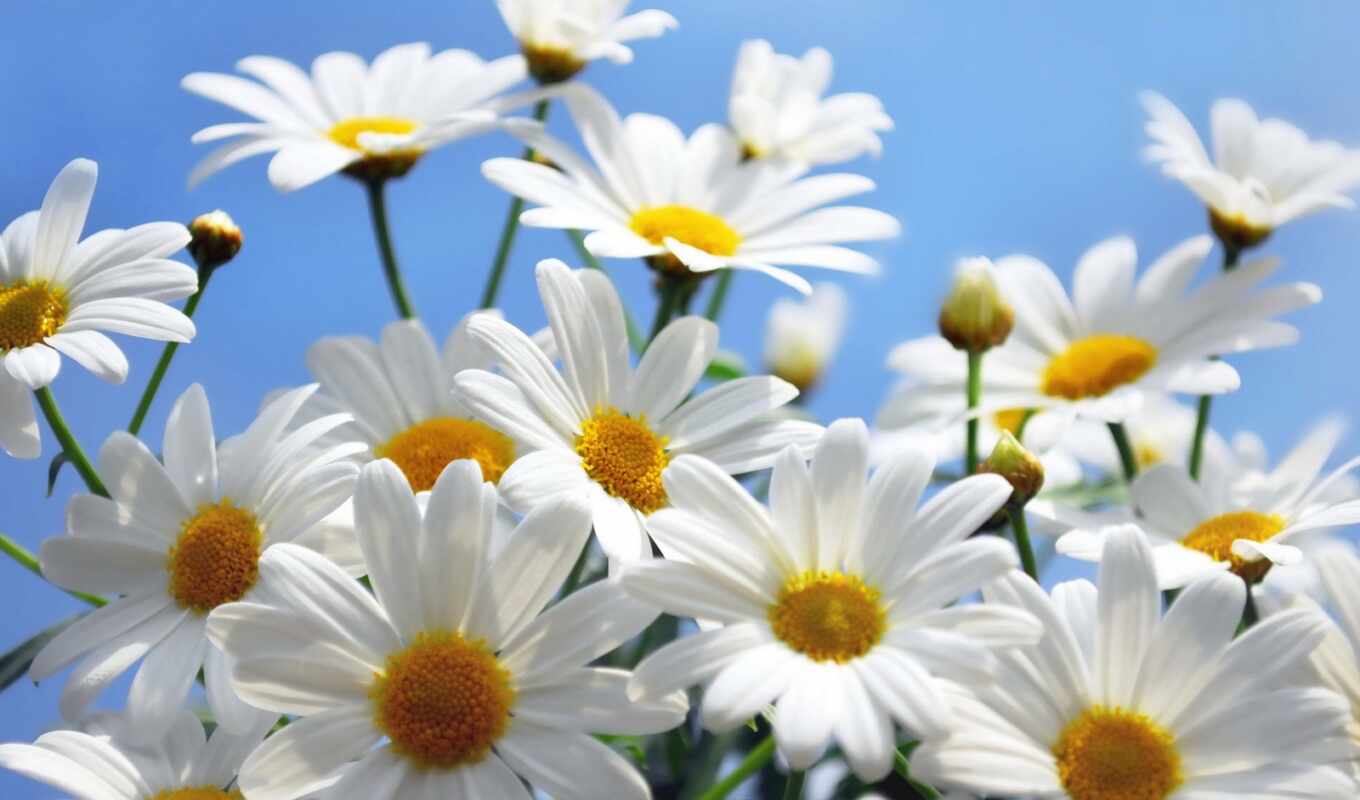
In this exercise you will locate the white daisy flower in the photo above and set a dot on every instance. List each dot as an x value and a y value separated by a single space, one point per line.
107 761
179 538
1264 173
690 206
836 603
1098 354
57 293
1160 432
370 121
802 336
447 681
604 431
1337 661
559 37
1117 701
778 111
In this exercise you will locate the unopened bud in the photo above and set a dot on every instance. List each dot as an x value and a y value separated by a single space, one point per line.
975 317
1021 469
216 239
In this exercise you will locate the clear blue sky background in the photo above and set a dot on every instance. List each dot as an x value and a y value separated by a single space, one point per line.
1017 132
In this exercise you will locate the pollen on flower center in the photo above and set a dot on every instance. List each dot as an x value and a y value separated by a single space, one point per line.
216 558
346 132
30 312
1214 537
828 616
624 456
443 701
423 450
1097 365
197 793
698 229
1114 754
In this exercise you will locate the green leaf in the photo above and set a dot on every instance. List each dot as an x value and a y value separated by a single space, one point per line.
14 664
726 366
54 470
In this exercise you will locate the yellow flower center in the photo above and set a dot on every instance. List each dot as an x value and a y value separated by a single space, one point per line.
346 132
624 456
423 450
551 64
1097 365
1113 754
1147 455
1010 419
828 616
443 701
216 558
30 312
1214 537
198 793
698 229
800 364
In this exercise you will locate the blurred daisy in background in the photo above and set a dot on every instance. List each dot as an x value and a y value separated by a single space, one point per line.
559 37
449 680
58 293
604 431
369 121
176 540
1160 432
837 603
778 111
688 206
1264 172
1117 701
1337 660
802 336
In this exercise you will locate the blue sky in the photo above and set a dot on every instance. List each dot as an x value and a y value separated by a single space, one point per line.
1016 132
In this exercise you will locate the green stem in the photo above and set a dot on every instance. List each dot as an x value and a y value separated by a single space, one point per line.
1206 402
753 763
1022 543
793 790
1126 456
668 300
167 355
377 209
511 227
1250 614
74 453
903 767
28 561
719 296
588 258
970 454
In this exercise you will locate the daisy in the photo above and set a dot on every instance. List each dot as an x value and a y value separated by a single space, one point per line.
1117 702
107 762
1160 432
57 293
778 111
180 538
1098 354
689 206
559 37
801 337
604 431
449 680
369 121
836 603
1264 173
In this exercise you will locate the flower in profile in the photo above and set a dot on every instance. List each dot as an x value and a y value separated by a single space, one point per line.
688 206
559 37
604 431
1264 172
108 761
1116 340
179 538
58 293
778 111
369 121
802 336
838 603
449 679
1118 701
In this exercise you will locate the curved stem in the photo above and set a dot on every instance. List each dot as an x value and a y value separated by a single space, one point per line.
970 454
511 227
74 453
1126 456
1022 543
719 296
903 767
753 763
167 355
377 209
793 790
667 302
28 561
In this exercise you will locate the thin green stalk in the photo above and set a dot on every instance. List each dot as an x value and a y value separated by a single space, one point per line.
1022 543
970 453
74 453
1206 402
719 296
1250 614
588 258
511 227
1126 456
793 790
753 763
167 355
377 209
903 767
667 301
28 561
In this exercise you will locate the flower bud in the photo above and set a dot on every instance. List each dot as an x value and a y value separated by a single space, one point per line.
975 317
1018 466
802 336
216 239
